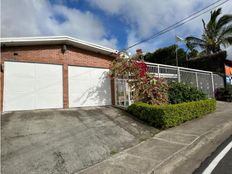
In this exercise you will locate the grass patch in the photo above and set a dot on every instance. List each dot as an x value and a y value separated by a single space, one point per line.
113 151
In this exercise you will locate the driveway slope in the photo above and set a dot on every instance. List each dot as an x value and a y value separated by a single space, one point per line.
66 141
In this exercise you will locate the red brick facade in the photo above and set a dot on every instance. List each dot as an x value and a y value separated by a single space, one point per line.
52 54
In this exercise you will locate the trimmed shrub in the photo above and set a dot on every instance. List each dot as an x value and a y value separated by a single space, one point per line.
165 116
224 94
179 93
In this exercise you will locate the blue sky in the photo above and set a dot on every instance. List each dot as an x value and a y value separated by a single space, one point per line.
113 24
116 24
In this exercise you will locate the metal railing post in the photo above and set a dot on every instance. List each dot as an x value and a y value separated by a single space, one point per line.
197 80
212 83
178 74
158 66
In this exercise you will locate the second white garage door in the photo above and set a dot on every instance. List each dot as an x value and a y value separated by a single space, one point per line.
32 86
88 86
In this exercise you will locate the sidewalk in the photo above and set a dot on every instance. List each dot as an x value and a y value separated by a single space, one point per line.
176 150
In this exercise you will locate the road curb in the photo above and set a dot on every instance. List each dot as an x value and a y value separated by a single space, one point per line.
190 157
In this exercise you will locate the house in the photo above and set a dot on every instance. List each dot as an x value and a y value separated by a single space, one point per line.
54 72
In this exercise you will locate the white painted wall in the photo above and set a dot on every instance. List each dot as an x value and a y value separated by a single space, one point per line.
32 86
88 86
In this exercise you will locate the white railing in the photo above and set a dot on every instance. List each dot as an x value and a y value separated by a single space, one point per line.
204 80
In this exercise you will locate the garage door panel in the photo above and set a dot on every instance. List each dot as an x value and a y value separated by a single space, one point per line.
20 86
77 88
86 99
17 102
92 99
32 86
89 87
103 84
50 85
48 100
17 78
82 73
14 95
46 71
21 69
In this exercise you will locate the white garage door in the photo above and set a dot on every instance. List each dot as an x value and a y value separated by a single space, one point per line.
32 86
88 86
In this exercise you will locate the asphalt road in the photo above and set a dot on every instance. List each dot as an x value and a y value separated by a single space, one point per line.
225 164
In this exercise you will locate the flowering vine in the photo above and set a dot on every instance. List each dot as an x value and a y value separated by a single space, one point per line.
144 86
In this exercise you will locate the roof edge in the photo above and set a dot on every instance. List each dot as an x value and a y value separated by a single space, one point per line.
46 40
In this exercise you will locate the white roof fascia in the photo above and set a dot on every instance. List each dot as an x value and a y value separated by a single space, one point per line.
24 41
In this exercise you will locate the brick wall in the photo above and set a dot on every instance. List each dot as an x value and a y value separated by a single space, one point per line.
52 54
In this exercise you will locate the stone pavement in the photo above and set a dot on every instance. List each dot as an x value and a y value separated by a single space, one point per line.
176 150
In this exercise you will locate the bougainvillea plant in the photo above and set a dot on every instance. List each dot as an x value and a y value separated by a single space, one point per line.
144 86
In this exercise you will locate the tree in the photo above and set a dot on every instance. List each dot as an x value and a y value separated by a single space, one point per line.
167 55
217 33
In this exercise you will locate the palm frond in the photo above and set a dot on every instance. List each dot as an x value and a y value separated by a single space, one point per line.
214 15
217 32
224 20
226 31
213 18
193 42
204 24
194 39
228 41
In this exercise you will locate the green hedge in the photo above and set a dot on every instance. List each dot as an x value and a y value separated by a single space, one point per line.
180 93
224 94
165 116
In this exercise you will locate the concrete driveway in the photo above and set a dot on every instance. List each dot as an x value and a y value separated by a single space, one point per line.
66 141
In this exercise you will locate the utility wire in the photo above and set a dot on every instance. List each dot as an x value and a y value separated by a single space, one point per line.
179 23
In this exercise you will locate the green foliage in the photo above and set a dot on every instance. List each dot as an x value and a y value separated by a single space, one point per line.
213 62
113 151
217 33
165 116
193 53
224 94
167 55
179 93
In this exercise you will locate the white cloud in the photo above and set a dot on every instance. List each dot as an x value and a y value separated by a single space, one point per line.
145 18
38 18
149 46
142 18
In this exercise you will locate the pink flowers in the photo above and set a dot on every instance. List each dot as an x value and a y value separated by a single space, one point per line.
145 87
142 68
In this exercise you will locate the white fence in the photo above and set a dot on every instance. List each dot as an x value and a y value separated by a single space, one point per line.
204 80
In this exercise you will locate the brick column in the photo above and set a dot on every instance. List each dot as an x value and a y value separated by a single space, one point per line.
65 86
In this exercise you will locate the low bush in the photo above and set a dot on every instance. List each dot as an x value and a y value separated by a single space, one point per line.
224 94
179 93
165 116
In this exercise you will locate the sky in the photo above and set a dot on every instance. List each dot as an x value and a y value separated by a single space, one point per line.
113 23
